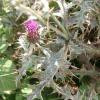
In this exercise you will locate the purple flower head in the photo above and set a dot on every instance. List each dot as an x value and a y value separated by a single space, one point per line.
31 27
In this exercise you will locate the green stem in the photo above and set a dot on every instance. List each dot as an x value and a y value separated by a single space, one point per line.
8 74
59 24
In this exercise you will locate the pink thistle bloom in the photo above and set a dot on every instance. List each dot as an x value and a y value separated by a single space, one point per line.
31 27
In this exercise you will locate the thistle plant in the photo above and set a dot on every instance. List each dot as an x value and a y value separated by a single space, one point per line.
60 34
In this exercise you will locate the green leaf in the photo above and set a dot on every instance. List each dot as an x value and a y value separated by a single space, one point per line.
7 76
26 90
3 47
54 5
20 97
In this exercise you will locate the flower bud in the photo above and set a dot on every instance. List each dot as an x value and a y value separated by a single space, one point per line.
32 27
